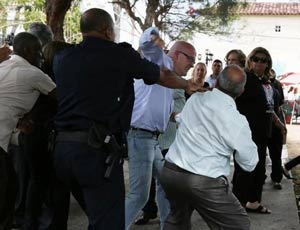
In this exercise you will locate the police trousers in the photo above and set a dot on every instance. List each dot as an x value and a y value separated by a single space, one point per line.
79 165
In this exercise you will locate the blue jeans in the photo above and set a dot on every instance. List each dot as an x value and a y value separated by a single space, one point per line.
145 160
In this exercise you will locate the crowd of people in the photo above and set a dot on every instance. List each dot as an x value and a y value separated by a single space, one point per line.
71 114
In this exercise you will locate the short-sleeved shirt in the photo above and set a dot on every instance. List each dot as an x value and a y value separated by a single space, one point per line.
20 85
95 83
166 139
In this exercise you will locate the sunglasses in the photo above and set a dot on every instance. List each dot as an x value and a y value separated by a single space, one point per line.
190 58
258 59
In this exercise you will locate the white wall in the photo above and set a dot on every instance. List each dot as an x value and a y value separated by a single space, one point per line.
252 31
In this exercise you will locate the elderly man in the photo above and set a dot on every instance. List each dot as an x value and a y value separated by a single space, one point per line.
198 161
151 113
42 31
95 99
21 84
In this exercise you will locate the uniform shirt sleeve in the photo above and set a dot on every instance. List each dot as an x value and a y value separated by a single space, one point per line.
140 68
40 81
246 151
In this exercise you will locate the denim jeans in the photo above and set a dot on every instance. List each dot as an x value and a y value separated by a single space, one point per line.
145 161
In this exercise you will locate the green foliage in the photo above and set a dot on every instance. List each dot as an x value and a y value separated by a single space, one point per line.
34 11
180 19
209 17
71 25
29 11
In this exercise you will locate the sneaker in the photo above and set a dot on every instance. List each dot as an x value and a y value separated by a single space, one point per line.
277 186
144 219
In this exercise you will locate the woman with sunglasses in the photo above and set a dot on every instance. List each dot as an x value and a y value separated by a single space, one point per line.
257 103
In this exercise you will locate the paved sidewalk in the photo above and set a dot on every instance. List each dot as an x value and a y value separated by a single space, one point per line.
282 203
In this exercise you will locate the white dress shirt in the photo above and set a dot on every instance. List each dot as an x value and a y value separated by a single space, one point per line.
20 85
210 130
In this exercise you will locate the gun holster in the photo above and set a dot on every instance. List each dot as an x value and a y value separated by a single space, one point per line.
115 156
51 141
97 134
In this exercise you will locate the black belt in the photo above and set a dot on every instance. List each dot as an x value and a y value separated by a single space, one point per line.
76 136
174 167
154 133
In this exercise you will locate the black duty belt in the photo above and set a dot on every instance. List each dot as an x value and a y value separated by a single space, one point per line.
76 136
174 167
154 133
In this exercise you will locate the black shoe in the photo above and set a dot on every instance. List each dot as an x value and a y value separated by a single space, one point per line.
144 219
286 173
277 185
16 226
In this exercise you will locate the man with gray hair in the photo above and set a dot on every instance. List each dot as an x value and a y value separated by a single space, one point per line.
198 162
42 31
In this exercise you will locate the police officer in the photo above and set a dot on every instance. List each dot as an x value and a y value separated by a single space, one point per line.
95 89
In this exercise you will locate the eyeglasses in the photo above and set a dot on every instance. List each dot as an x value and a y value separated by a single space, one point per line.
190 58
258 59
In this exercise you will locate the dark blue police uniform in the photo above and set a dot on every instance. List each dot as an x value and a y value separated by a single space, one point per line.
95 84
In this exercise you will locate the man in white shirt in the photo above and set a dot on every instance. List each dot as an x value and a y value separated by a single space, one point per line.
198 162
21 82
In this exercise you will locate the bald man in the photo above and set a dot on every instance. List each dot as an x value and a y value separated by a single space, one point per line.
95 100
198 162
150 116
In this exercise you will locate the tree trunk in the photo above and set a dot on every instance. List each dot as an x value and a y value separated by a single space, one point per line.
55 12
117 14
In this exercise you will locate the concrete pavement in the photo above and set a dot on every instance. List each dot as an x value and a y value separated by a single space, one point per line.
281 202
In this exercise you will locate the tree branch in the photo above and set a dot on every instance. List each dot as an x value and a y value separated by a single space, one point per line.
125 4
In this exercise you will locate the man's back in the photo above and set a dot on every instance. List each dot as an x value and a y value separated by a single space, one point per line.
91 79
21 84
210 130
17 78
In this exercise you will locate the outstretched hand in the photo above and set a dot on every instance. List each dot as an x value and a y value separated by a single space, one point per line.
194 87
5 51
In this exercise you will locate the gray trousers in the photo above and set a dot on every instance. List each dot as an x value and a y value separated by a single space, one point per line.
210 197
